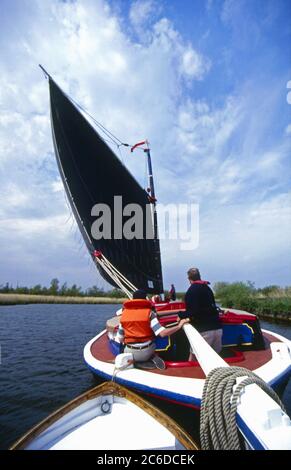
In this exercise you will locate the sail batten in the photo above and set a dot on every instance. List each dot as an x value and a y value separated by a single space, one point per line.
93 174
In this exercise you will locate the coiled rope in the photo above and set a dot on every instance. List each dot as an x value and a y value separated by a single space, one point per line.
218 428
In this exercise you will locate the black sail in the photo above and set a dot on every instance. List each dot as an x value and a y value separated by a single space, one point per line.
92 174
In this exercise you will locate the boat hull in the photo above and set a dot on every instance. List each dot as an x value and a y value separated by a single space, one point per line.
184 385
93 422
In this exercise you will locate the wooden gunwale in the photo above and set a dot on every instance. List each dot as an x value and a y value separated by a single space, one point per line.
105 389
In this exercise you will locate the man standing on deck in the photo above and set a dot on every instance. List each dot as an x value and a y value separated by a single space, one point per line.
139 325
202 311
172 293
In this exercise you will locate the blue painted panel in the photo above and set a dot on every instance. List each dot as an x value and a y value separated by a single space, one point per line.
115 348
237 334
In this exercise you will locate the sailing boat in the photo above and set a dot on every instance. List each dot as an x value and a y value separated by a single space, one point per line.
91 174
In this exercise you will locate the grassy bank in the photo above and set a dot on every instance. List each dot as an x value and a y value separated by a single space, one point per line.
271 303
18 299
276 310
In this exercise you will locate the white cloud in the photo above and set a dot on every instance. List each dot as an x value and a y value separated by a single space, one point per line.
57 185
138 87
15 197
28 226
141 11
129 86
207 130
270 160
239 243
193 65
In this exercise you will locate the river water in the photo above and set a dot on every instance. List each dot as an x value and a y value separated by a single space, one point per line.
42 365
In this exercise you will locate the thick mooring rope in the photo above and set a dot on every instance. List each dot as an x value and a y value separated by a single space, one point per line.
218 428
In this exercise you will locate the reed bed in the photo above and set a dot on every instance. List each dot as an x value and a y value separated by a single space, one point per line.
18 299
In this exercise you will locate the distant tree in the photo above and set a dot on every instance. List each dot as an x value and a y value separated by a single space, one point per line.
234 294
269 290
64 289
36 290
180 295
74 291
95 291
22 290
54 287
116 293
6 288
220 286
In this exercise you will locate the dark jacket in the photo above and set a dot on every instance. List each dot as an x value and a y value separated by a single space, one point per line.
201 308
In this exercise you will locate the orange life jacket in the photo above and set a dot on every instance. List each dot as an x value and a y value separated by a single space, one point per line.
135 320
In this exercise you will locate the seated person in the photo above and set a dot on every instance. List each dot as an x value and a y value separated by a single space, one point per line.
139 326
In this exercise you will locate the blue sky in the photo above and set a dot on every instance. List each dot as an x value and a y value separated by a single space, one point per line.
205 81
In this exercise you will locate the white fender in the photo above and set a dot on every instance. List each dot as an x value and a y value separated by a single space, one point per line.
124 361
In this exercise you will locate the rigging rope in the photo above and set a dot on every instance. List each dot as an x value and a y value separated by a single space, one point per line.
218 428
107 132
123 283
115 140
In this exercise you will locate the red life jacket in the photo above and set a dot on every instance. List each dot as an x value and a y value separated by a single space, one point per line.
135 320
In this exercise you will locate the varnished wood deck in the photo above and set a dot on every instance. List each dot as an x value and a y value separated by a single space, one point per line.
252 359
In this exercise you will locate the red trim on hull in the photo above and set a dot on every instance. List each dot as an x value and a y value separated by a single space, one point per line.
237 357
175 402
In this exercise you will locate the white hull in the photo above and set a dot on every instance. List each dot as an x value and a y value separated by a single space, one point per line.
188 391
105 418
